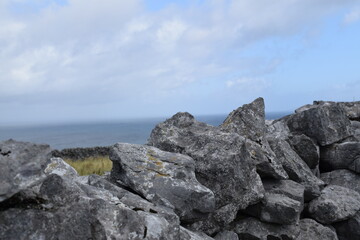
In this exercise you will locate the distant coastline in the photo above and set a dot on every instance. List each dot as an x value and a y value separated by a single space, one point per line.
87 134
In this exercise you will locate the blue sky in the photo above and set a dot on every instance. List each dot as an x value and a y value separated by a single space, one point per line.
85 60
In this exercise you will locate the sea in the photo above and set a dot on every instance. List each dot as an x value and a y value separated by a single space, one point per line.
60 136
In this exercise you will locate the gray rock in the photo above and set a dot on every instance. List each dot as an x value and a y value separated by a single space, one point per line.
278 129
326 123
247 121
226 235
186 234
343 178
306 148
276 208
335 204
222 161
296 168
59 167
341 156
253 229
156 174
288 188
22 165
310 229
355 126
267 165
349 229
352 109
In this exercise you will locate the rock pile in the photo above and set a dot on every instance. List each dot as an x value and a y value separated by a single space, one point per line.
293 178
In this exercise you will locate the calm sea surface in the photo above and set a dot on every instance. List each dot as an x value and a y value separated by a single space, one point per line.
97 134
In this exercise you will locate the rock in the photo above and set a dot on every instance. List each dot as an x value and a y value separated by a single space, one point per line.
155 174
288 188
341 156
326 124
352 109
310 229
60 167
349 229
222 161
335 204
267 165
81 153
247 121
343 178
278 129
296 168
306 148
253 229
276 208
22 165
226 235
186 234
355 126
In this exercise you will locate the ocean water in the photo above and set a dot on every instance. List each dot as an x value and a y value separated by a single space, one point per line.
97 134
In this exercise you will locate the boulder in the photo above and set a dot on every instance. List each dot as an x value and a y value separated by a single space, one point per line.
186 234
310 229
287 188
296 168
343 178
355 126
326 123
22 165
253 229
276 208
226 235
349 229
352 109
335 204
306 148
162 176
341 156
59 167
222 161
247 121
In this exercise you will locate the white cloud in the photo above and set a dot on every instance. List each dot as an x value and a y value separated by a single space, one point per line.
352 16
122 52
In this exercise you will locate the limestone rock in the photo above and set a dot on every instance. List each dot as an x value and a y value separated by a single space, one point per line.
355 126
343 178
326 123
247 121
335 204
306 148
296 168
253 229
222 161
226 235
341 156
59 167
155 174
186 234
349 229
288 188
310 229
22 165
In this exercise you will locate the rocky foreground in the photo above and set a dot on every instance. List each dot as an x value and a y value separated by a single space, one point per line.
293 178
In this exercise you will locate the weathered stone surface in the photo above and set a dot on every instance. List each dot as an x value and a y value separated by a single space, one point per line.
306 148
247 121
253 229
226 235
186 234
341 156
59 167
22 166
267 165
326 123
343 178
156 174
349 229
288 188
222 161
355 126
310 229
296 168
335 204
276 208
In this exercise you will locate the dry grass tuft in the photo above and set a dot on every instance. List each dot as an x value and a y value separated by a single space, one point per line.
91 165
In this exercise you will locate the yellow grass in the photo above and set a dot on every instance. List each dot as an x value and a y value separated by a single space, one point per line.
91 165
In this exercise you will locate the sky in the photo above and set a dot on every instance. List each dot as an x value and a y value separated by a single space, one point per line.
87 60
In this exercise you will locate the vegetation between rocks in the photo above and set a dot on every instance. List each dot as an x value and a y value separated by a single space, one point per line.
91 165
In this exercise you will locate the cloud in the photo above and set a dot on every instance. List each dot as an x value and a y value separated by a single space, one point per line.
118 51
352 16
